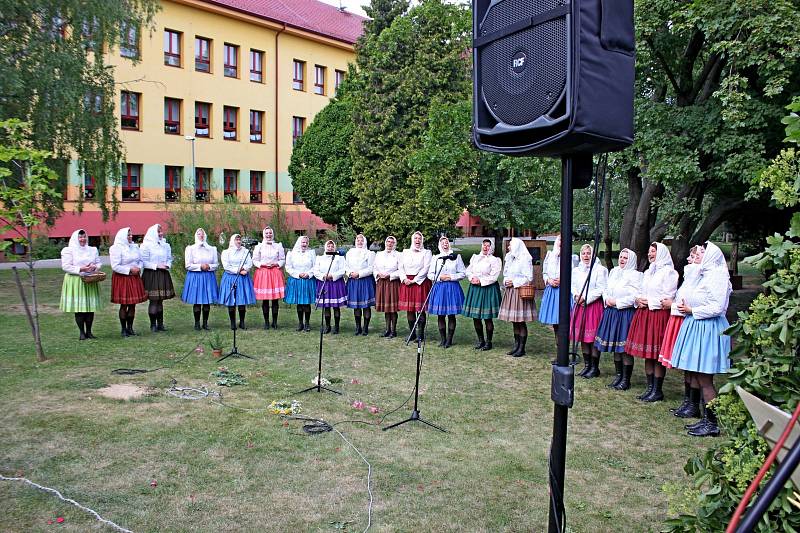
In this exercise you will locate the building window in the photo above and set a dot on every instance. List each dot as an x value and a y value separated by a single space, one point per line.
88 187
297 80
131 183
202 184
256 186
89 29
93 103
256 126
229 121
338 80
172 116
296 198
298 125
202 114
172 184
231 60
129 40
231 178
172 48
129 110
256 66
202 54
319 79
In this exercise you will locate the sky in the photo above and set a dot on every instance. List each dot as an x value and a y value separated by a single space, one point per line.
354 6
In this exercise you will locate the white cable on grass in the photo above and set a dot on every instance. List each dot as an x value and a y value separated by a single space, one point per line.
68 500
369 478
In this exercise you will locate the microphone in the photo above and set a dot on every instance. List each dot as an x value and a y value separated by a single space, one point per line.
451 257
339 252
249 242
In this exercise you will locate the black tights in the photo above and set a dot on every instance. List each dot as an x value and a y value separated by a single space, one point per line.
411 316
337 315
156 307
651 366
265 305
450 325
232 314
479 328
127 312
521 329
84 322
367 313
196 310
391 321
303 313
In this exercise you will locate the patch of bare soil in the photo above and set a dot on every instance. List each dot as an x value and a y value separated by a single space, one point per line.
125 391
44 309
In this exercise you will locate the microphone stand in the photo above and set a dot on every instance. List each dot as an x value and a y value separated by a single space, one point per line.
235 351
420 353
319 387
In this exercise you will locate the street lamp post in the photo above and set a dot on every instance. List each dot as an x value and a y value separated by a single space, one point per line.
194 172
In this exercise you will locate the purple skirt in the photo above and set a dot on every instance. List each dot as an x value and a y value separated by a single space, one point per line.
335 294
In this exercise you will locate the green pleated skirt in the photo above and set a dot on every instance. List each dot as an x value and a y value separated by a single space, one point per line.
79 297
482 302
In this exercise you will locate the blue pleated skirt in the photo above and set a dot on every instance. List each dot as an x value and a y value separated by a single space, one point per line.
245 294
200 287
548 307
300 291
361 292
701 346
447 298
335 294
613 330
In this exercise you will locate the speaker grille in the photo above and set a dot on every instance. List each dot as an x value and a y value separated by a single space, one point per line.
518 98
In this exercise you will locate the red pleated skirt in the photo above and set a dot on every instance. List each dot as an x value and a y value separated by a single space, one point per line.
670 336
127 289
646 334
413 296
585 320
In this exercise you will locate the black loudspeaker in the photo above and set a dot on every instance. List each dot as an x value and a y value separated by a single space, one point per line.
552 77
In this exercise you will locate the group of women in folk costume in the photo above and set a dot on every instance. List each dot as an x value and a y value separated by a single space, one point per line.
236 288
482 303
589 280
386 270
517 272
127 288
269 258
200 286
83 299
413 268
157 260
446 297
301 286
359 262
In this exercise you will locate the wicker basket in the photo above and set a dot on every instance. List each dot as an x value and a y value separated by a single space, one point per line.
527 292
94 277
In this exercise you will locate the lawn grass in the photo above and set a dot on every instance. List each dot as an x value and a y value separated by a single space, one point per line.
228 469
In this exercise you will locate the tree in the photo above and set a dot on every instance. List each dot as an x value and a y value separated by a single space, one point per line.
712 78
420 57
321 163
26 198
55 77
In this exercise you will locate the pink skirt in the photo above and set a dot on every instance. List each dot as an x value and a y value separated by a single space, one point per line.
585 320
646 334
670 336
269 283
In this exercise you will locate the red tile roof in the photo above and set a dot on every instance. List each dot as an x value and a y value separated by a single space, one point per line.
309 15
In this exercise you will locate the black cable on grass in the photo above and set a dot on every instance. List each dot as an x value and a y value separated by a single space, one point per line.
134 371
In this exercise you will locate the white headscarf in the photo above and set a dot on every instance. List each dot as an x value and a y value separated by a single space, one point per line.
631 264
325 246
663 258
557 246
491 248
394 251
74 244
713 259
151 236
421 241
583 266
296 248
518 250
264 235
449 249
121 238
198 242
232 243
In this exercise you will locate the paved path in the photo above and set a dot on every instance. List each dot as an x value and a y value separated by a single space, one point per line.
45 263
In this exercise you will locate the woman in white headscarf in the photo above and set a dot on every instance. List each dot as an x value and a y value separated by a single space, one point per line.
79 259
270 287
236 287
701 346
329 270
690 407
518 271
386 269
624 283
301 287
415 261
588 283
126 281
200 286
360 283
483 296
157 259
551 273
653 303
447 297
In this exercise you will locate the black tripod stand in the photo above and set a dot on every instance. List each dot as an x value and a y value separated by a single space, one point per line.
319 387
235 351
420 353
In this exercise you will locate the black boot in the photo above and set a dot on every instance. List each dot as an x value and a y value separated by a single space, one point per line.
206 311
618 377
335 324
451 331
358 326
513 350
88 321
411 331
587 365
300 325
131 333
656 395
153 323
686 390
481 342
365 331
708 425
275 305
523 339
160 321
196 312
242 314
443 337
265 313
327 325
197 325
232 317
488 345
625 383
594 369
81 322
124 323
649 389
692 409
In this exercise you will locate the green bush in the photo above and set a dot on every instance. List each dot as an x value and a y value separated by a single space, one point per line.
44 248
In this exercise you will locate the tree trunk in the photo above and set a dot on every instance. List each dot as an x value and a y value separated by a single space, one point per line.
40 357
498 234
607 228
640 216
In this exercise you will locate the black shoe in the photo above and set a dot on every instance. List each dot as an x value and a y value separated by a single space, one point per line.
649 389
306 328
300 327
656 395
90 335
690 410
393 334
124 331
587 365
448 342
82 336
365 331
696 425
707 429
480 344
132 333
153 328
625 384
618 377
233 325
513 350
523 339
327 329
205 327
274 324
266 325
387 333
442 337
197 326
487 346
161 327
335 330
682 407
594 369
357 333
241 325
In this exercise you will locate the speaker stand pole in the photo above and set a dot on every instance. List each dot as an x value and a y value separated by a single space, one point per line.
563 381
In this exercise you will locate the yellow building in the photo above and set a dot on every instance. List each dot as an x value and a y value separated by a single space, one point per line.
214 104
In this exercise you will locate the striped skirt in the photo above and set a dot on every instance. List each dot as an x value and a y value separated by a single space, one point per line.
269 284
79 297
158 284
514 309
301 291
200 287
242 295
585 320
127 289
361 292
413 296
335 294
387 295
670 336
482 302
701 347
447 298
613 330
646 334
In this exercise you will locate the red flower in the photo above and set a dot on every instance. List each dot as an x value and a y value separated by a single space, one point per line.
60 519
